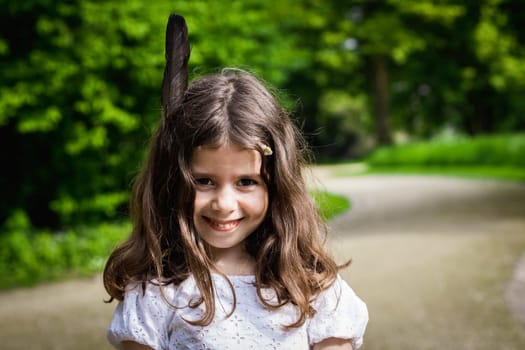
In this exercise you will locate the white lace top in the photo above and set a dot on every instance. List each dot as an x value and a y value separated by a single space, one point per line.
149 320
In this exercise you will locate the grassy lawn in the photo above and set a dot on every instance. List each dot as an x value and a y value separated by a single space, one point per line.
481 172
486 156
330 205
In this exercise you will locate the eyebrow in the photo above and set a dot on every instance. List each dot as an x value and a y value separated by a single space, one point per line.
205 174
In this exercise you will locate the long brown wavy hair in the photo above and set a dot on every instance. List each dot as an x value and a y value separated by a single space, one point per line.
230 106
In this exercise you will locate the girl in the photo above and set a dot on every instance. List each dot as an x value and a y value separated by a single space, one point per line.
226 250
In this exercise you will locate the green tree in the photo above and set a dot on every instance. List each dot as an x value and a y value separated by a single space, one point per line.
75 102
471 78
497 48
80 91
384 35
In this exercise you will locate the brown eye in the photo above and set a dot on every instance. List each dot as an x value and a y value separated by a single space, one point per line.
247 182
203 182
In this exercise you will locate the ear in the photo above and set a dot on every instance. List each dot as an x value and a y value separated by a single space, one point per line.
175 79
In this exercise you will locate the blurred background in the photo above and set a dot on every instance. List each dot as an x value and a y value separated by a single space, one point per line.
392 86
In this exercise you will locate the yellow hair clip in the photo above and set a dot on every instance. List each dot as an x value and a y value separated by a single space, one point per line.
267 151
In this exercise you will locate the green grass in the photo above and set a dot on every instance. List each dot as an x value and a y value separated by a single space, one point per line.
29 256
480 172
488 150
490 157
329 204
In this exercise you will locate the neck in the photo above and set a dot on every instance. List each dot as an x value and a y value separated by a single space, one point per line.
234 264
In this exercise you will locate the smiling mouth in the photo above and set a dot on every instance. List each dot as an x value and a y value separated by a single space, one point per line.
223 226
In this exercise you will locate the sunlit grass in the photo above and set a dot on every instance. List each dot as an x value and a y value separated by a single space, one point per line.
30 256
329 204
489 157
487 150
482 172
479 172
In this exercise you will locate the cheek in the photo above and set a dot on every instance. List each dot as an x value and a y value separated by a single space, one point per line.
260 204
199 202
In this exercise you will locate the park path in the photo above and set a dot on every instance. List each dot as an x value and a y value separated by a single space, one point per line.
426 204
398 229
417 236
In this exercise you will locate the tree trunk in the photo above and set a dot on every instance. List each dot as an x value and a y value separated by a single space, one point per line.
381 100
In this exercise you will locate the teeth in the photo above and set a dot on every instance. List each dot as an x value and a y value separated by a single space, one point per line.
227 225
224 225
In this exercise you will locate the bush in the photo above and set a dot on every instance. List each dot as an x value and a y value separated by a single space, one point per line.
329 204
493 150
28 256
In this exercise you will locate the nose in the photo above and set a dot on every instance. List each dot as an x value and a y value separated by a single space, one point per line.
225 199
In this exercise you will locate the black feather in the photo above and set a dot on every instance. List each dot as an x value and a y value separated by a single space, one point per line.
177 53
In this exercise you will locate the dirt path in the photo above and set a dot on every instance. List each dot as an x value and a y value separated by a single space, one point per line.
441 260
432 257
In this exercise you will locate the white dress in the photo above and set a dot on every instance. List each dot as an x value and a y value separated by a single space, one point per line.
147 319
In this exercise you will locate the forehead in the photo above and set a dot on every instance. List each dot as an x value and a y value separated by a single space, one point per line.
227 159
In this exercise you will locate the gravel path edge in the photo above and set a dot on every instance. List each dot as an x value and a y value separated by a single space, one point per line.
515 292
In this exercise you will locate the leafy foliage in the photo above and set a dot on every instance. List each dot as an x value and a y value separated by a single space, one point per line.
28 256
76 102
488 150
79 94
329 204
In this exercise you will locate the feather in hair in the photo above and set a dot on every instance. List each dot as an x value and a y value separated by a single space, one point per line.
175 79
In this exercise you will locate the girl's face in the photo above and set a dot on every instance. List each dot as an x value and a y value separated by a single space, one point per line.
231 198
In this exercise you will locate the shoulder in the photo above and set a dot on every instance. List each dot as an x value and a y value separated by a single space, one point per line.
339 291
144 315
147 301
340 313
